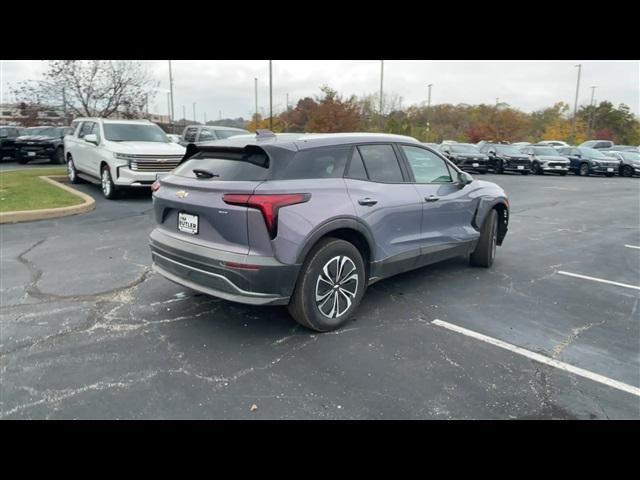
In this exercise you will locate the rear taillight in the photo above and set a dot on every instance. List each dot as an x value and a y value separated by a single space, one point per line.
155 186
268 204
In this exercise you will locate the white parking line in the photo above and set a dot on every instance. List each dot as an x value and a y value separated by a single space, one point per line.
542 359
632 246
601 280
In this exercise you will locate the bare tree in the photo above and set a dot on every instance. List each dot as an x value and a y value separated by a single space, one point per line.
98 88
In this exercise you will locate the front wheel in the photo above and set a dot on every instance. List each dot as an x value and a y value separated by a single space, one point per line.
330 286
72 173
58 156
109 190
499 167
537 169
584 170
627 171
485 250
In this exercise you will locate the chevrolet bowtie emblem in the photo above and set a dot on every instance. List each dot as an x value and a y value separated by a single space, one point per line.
181 194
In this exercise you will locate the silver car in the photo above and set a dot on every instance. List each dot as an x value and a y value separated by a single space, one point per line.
310 221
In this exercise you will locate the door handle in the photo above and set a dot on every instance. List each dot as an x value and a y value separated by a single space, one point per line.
367 202
431 198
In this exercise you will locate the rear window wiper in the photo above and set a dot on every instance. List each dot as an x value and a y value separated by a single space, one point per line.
201 173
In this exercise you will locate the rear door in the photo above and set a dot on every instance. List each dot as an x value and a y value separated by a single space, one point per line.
447 209
192 208
391 207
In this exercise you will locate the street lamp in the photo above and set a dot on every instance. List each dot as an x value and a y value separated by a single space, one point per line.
381 94
428 109
575 105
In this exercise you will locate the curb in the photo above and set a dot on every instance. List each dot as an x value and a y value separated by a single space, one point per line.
48 213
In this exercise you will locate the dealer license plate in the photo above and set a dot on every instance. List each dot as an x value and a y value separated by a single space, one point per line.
188 223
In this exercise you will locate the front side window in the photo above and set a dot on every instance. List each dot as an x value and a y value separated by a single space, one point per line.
85 129
190 134
134 132
381 163
427 167
326 162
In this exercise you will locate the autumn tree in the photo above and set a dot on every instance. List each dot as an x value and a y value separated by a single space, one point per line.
334 113
90 87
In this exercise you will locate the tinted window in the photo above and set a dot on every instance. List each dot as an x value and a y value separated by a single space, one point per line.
231 166
134 132
427 166
356 167
326 162
381 163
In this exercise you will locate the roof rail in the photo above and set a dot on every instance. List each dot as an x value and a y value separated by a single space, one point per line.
264 133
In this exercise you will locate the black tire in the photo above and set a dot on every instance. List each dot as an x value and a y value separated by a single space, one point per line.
584 170
58 156
537 169
305 308
23 160
499 167
626 171
485 250
109 190
72 173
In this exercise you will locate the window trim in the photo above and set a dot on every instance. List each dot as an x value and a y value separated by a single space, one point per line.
450 166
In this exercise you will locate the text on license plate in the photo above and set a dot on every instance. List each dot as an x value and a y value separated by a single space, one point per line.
188 223
609 169
520 167
475 164
31 154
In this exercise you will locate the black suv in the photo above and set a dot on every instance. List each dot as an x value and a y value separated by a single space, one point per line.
42 142
506 158
466 156
8 137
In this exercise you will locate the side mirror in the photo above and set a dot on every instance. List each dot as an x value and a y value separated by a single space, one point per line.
91 138
491 152
464 178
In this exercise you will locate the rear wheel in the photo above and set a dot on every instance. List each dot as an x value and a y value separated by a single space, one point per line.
485 250
330 286
584 169
109 190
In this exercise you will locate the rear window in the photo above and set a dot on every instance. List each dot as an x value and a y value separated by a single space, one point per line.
227 166
326 162
228 133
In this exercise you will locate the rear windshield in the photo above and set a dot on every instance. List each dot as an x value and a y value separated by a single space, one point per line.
227 166
326 162
228 133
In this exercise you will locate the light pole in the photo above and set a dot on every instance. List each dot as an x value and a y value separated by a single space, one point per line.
205 117
184 113
194 113
169 108
270 97
255 80
381 94
575 105
428 109
171 90
593 107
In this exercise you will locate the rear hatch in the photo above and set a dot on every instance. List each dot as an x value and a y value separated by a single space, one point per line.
189 203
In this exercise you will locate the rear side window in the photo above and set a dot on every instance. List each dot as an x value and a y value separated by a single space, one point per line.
326 162
356 167
227 133
227 166
206 135
381 163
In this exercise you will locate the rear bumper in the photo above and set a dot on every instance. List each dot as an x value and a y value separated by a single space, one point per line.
203 269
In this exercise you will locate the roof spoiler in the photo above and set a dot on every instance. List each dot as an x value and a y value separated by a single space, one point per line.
264 133
249 153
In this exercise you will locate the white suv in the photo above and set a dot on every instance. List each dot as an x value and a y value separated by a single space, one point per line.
119 153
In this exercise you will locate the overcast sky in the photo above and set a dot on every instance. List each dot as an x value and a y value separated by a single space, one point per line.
227 86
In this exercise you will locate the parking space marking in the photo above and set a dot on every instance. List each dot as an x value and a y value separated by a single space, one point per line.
541 358
601 280
632 246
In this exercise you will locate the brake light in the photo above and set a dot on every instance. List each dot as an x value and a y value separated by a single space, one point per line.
155 186
268 204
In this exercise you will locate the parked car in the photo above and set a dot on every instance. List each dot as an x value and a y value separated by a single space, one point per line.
506 158
42 142
119 153
553 143
546 160
597 144
586 161
207 133
629 161
311 222
8 136
466 156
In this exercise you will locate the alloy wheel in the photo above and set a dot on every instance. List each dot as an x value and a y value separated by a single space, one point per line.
336 286
106 182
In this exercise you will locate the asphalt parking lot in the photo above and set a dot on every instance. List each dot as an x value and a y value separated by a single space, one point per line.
88 331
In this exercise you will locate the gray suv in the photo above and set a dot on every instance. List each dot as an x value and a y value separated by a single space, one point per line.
310 221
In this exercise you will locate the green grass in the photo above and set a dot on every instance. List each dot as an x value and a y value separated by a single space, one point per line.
23 190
